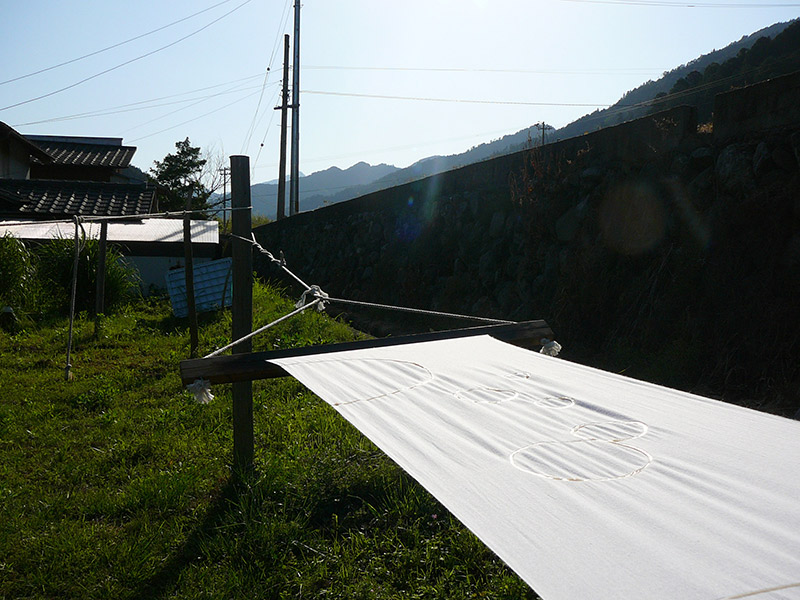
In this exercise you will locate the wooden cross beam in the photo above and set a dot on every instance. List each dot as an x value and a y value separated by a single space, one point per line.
249 367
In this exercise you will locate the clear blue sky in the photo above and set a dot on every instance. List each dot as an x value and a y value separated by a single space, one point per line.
519 61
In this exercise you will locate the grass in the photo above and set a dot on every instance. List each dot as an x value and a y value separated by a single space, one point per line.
117 484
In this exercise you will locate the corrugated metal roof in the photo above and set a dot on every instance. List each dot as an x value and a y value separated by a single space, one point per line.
146 230
86 153
213 287
89 198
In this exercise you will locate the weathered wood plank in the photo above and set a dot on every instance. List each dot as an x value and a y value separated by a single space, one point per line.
252 366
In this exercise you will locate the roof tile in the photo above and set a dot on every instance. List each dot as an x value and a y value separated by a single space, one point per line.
87 154
78 197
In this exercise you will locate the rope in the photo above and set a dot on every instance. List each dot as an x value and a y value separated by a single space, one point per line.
320 295
321 299
264 328
419 311
281 262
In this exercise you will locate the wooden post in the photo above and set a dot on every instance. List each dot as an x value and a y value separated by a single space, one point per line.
249 367
242 309
189 277
100 299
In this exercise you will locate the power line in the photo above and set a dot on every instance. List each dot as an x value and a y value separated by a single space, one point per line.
624 70
200 101
76 84
668 3
136 106
117 45
256 120
455 100
193 119
285 20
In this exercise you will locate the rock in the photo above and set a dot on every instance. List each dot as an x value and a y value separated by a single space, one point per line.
592 175
791 256
496 226
487 267
794 140
680 164
784 159
568 224
762 160
483 307
734 170
702 158
506 297
8 319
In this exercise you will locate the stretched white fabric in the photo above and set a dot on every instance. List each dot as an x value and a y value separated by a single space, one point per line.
589 485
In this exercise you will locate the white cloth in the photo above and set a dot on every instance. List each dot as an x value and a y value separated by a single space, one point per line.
590 485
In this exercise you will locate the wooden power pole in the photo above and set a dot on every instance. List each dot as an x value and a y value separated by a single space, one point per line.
284 109
294 184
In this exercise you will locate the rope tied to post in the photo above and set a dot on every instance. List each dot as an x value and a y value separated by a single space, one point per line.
201 388
314 292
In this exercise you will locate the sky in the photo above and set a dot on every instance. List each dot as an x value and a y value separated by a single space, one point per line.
380 82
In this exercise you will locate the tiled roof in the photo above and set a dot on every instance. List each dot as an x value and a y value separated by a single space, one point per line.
42 197
87 154
34 150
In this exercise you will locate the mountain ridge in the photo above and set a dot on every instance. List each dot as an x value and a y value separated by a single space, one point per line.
334 185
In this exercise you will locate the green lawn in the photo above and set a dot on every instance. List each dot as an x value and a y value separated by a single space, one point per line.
118 485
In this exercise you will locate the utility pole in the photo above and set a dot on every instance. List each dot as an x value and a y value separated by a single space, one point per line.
543 126
294 185
224 171
283 108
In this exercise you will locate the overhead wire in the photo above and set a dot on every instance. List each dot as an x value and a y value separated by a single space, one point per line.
266 131
117 45
137 106
194 118
123 64
233 90
481 70
455 100
676 4
281 28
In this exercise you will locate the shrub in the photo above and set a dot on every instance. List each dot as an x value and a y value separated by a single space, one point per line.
56 259
20 288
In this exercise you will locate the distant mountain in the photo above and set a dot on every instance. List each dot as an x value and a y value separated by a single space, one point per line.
336 185
319 188
640 101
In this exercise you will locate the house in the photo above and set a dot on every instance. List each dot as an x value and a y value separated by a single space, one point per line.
45 181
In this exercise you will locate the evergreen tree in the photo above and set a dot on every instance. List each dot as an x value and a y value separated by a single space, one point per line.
179 176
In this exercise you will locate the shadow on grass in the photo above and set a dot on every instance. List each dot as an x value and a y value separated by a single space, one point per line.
159 583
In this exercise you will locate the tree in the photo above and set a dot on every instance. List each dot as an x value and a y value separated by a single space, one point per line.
180 175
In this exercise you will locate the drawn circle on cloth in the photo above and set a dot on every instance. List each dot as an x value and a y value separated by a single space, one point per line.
485 395
519 375
387 376
556 402
581 460
610 431
781 592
